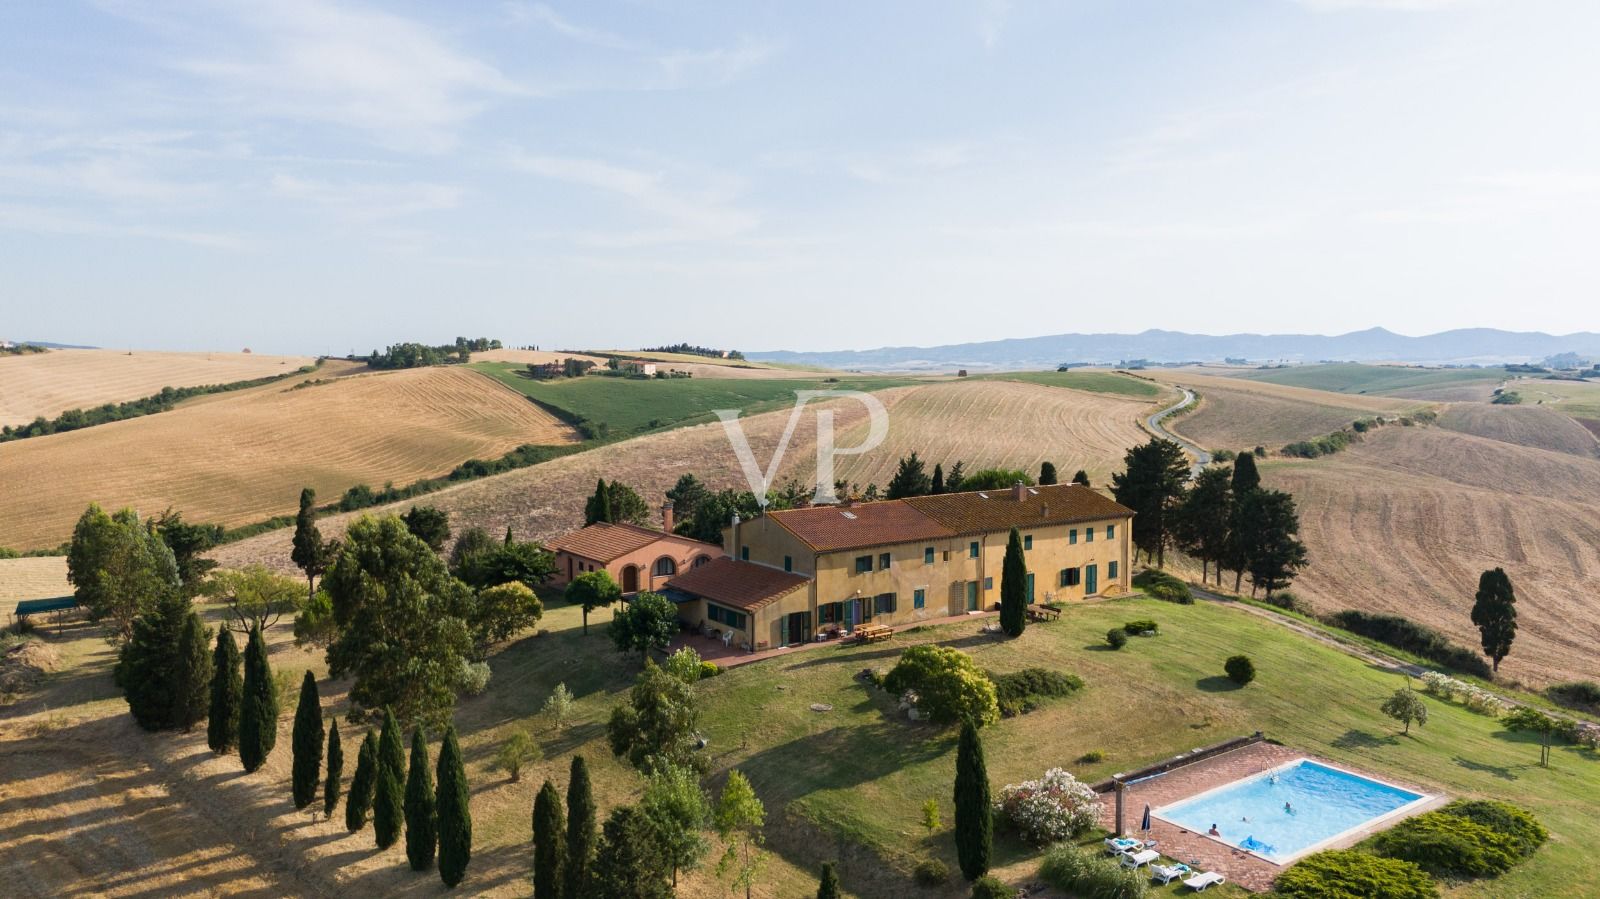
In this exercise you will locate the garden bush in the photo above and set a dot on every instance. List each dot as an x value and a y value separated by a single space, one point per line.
1405 634
950 688
931 873
1448 846
1240 669
1349 874
1052 808
1474 698
1090 876
1583 695
1288 601
1521 827
991 888
1117 637
1160 585
1142 626
1020 692
709 669
1092 757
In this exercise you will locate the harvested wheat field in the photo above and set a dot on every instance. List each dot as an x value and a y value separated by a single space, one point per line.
1405 522
1238 414
698 366
48 384
243 457
1540 427
42 577
998 424
540 502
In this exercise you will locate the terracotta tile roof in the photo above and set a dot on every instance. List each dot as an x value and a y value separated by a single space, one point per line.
987 511
826 528
736 584
603 542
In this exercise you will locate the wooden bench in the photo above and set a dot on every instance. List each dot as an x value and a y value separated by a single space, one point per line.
1043 613
872 633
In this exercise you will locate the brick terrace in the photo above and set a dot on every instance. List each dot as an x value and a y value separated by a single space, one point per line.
1199 850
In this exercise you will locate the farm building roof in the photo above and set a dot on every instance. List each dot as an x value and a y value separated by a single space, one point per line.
736 584
825 528
38 606
603 541
984 511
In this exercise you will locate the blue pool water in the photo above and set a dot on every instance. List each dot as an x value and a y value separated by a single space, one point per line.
1325 802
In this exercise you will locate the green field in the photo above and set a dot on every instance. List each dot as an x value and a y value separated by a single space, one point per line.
1092 381
1353 378
1578 399
635 405
857 775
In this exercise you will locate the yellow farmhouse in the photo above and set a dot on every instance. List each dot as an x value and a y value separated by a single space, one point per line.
796 573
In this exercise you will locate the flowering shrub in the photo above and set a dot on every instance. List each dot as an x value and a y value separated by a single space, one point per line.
1050 809
1589 735
1474 698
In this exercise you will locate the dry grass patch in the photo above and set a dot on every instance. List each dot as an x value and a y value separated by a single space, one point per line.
47 384
243 457
1238 414
42 577
1541 427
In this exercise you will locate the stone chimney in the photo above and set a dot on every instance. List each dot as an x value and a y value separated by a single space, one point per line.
733 540
666 517
1019 491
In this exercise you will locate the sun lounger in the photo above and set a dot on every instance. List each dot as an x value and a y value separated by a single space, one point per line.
1115 845
1142 857
1165 874
1201 881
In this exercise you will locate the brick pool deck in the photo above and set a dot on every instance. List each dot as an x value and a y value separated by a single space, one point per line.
1199 850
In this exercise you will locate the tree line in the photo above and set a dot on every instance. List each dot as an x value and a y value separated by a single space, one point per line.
689 349
419 355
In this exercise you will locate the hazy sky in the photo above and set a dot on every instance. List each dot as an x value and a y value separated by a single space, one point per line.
313 176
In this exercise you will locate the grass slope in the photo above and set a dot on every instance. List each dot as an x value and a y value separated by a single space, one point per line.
1345 377
1092 381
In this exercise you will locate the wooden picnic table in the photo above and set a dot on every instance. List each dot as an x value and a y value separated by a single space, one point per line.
872 633
1043 613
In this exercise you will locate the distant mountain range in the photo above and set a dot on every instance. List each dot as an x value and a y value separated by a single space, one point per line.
1462 346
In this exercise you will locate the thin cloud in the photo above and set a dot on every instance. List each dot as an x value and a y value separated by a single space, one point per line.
686 215
41 220
718 65
541 14
368 202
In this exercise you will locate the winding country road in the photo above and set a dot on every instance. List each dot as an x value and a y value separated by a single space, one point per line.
1202 458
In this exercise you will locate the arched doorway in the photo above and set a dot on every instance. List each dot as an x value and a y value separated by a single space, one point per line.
630 579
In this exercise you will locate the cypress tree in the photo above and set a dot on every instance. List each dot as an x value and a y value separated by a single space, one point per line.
1047 474
829 887
1014 588
508 535
580 831
422 826
193 682
388 797
309 552
1082 477
599 506
455 814
937 487
1245 476
629 864
974 825
1494 611
549 843
359 802
330 787
227 691
307 743
258 709
147 665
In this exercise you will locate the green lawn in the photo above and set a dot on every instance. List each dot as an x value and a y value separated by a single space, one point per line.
858 775
1092 381
631 406
1344 377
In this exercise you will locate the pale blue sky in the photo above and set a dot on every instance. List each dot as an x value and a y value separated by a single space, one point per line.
320 177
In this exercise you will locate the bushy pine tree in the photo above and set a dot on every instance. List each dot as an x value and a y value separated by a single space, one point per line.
1014 588
910 479
227 692
455 813
549 843
258 709
1494 612
330 786
1245 476
1047 474
974 825
598 508
1081 478
580 831
307 743
628 864
359 803
147 665
388 796
936 486
422 825
192 685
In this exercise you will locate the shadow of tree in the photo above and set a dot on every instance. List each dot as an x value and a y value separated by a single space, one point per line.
1217 683
1504 772
1355 738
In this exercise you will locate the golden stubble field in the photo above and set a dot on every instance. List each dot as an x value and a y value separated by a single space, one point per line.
242 457
697 366
1239 414
47 384
1405 522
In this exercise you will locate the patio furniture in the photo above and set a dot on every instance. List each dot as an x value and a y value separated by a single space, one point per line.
1165 874
1135 860
872 633
1115 845
727 637
1201 881
1042 613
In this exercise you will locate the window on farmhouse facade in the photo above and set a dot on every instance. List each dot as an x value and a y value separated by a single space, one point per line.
665 567
918 598
1088 535
883 604
1027 541
972 550
883 561
1072 536
1111 531
927 556
863 564
1069 577
788 563
1111 570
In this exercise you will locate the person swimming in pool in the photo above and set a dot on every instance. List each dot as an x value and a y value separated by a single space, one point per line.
1214 831
1288 808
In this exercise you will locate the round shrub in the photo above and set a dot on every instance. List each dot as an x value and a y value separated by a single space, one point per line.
1092 876
1141 626
1117 637
1020 692
709 669
1448 846
1240 669
1523 829
949 686
990 888
1053 808
1172 591
1342 873
932 873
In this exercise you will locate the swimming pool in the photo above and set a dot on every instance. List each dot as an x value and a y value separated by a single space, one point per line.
1290 810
